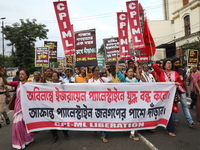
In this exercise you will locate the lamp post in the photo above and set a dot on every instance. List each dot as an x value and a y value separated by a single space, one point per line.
3 39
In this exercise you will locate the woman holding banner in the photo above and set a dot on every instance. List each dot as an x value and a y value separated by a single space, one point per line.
167 75
20 137
55 79
97 79
129 78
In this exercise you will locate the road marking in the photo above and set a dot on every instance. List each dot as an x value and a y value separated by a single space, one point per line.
147 142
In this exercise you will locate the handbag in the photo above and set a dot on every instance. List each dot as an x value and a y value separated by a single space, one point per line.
11 105
175 108
176 97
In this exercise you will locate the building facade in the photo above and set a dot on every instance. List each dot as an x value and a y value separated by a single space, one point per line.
181 25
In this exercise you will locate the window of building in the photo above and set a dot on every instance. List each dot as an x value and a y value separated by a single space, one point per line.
185 2
187 25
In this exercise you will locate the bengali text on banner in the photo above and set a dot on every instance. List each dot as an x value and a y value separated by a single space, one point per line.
52 50
96 107
42 57
85 45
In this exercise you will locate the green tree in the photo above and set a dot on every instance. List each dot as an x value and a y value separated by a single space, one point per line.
8 61
55 64
23 36
101 50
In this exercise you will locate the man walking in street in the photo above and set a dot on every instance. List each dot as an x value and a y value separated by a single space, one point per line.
183 100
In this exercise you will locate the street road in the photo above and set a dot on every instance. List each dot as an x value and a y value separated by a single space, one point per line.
187 139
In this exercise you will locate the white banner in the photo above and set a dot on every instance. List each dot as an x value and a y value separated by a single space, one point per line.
96 107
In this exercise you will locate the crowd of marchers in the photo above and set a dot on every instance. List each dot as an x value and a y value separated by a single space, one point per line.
166 70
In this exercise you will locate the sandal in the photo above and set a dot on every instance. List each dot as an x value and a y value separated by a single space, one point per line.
152 130
133 137
171 134
176 123
104 139
195 124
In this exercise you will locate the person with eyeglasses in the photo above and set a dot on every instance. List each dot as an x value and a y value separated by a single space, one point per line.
37 76
97 79
55 79
128 77
96 76
168 75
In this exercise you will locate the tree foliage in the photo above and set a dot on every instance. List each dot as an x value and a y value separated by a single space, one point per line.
55 64
8 61
22 37
101 50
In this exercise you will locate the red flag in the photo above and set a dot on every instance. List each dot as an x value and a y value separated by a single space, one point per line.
150 47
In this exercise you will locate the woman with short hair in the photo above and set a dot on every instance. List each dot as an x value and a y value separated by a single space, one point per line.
55 79
97 79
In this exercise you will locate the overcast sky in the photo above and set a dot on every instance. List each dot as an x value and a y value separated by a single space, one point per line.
84 14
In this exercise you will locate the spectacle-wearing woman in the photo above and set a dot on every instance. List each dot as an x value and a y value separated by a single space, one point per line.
129 77
20 137
55 79
167 75
97 79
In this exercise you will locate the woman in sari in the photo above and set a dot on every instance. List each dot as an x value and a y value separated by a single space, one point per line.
167 75
20 136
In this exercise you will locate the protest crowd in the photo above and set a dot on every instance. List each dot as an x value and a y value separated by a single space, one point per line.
165 70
